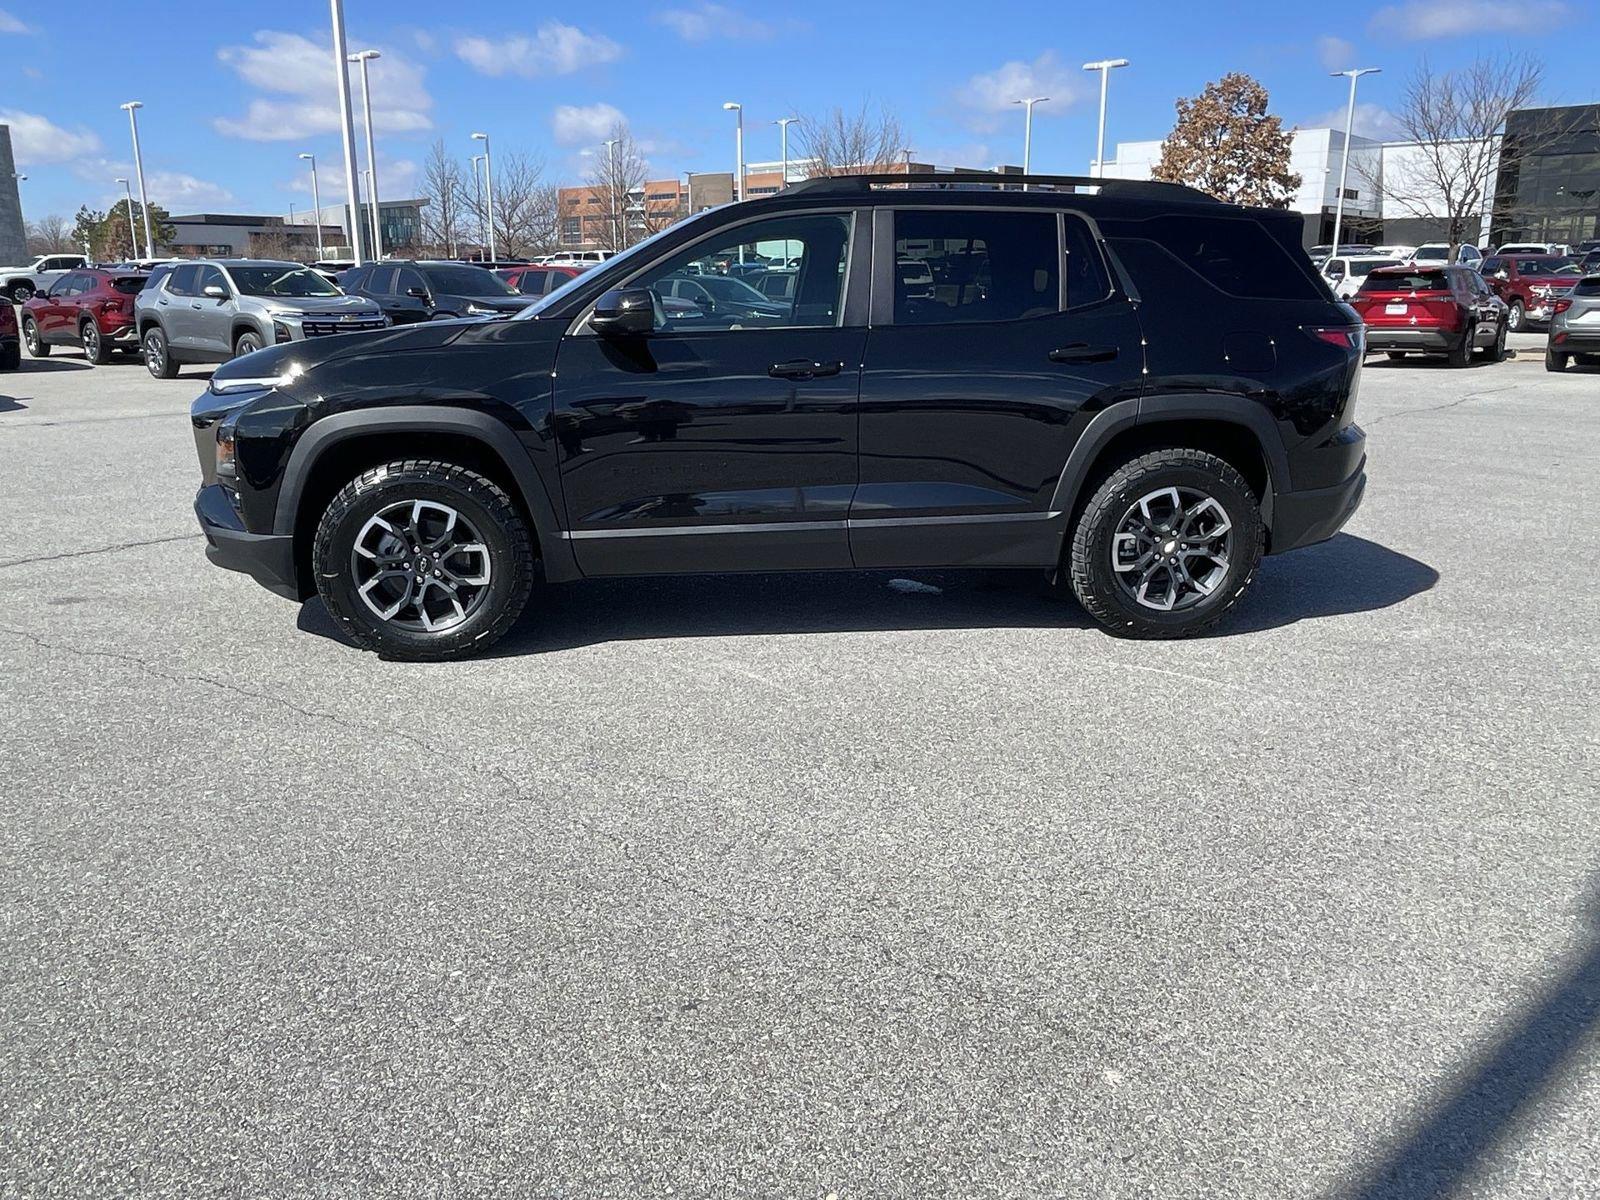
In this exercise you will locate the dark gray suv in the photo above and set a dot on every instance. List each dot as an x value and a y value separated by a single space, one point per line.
216 309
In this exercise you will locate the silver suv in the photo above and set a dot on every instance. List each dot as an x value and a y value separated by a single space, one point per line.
212 310
1575 327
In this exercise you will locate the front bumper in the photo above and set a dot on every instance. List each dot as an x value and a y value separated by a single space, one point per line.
1408 338
268 558
1305 518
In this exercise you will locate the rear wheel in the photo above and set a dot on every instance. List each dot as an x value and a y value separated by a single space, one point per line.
1554 360
157 357
1461 353
37 346
1167 545
94 346
423 560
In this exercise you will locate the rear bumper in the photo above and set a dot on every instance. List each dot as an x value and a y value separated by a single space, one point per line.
1585 341
268 558
1408 338
1305 518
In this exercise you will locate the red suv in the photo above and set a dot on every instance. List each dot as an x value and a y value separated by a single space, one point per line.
537 280
88 308
10 348
1530 283
1433 310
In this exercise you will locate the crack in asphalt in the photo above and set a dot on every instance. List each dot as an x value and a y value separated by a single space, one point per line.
954 983
1406 412
44 558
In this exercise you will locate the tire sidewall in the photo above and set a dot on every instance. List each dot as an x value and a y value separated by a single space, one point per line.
31 338
1248 536
158 364
1515 316
93 347
239 348
490 515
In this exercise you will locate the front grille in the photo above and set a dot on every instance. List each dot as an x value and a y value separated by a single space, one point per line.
323 328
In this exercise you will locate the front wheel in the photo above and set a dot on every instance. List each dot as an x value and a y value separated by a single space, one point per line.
248 343
1167 545
21 293
157 357
1516 317
423 560
37 346
1496 351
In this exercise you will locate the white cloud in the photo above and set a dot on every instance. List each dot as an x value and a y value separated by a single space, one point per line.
397 180
1372 121
552 49
571 124
36 140
704 21
12 24
1335 52
1418 20
967 154
177 191
302 71
995 92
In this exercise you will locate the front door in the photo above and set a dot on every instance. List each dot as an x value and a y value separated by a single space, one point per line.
996 336
177 293
212 316
53 317
725 439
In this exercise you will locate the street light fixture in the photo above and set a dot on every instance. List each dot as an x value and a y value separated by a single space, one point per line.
316 200
347 129
133 238
1344 169
1105 67
132 108
783 124
738 148
1027 103
477 194
364 57
488 184
611 192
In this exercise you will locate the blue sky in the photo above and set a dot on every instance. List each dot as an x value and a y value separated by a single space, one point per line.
233 92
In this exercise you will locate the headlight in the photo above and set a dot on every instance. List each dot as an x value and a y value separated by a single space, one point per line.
227 467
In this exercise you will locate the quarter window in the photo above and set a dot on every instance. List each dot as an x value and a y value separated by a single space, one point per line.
714 284
1087 281
959 266
181 281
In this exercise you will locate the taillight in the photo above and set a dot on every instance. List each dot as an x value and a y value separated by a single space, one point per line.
1346 337
1562 305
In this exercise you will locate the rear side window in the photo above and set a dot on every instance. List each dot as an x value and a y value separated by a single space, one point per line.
1407 281
1086 276
1235 255
1587 287
156 276
974 265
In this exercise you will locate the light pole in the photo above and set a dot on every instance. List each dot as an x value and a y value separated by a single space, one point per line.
347 129
1027 103
132 107
738 149
611 191
133 238
477 188
1105 67
316 201
488 187
783 124
364 57
1344 169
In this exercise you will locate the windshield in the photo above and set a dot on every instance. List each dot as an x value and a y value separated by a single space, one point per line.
281 281
1431 253
467 281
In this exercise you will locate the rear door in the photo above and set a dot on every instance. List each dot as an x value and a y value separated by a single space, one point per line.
976 387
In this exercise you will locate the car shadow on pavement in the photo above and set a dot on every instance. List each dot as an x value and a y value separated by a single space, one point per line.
1346 575
1490 1097
41 365
11 404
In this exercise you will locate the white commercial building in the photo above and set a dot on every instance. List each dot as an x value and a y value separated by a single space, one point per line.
1316 155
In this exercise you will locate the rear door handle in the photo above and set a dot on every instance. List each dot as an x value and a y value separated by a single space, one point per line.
803 368
1082 352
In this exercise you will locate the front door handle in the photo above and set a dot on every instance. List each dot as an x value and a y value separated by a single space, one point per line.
803 368
1082 352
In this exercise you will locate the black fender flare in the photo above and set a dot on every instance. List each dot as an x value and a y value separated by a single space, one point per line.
323 434
1156 410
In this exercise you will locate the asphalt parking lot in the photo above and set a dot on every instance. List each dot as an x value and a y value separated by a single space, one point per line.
828 885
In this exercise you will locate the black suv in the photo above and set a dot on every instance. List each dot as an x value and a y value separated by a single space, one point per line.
1143 389
409 292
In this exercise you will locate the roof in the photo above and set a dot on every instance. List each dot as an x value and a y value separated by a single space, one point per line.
963 183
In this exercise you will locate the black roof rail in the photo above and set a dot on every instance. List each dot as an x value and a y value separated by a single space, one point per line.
1133 189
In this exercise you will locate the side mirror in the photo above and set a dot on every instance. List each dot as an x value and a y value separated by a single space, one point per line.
624 312
417 293
216 291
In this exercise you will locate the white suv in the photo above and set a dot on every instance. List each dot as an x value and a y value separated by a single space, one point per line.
20 283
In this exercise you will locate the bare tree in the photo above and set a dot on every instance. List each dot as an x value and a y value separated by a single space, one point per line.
618 179
50 235
1227 145
524 207
1456 119
842 143
447 216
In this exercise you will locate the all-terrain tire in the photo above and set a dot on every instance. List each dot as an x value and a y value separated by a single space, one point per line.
480 502
1089 553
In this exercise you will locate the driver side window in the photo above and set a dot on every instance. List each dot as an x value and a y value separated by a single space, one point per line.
722 282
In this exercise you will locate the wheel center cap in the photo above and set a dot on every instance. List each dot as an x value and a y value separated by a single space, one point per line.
1169 547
